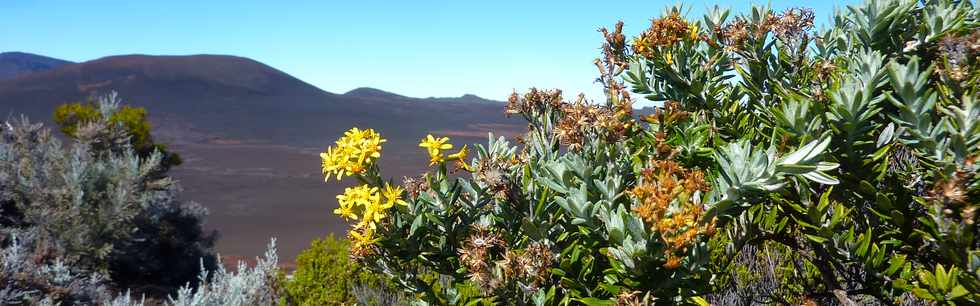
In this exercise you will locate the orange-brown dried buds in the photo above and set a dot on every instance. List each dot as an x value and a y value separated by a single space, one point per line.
669 114
663 32
672 262
668 200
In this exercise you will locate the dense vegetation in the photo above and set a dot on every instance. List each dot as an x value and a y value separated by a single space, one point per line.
785 166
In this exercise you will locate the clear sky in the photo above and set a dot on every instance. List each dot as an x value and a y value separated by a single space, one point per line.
414 48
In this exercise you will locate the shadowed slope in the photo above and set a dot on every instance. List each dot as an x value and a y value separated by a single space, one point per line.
13 64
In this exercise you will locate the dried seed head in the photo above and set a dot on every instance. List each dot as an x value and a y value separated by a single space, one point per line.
951 191
960 53
734 34
533 102
415 184
794 23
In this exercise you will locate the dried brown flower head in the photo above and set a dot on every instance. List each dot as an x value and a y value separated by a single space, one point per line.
415 184
614 47
533 102
960 53
734 34
666 115
475 254
582 121
530 266
634 298
765 25
951 191
492 174
793 23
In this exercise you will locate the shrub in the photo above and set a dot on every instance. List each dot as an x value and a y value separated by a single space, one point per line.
130 120
847 156
257 285
98 206
29 278
325 275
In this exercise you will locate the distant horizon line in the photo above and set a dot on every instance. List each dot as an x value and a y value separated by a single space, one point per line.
347 92
248 58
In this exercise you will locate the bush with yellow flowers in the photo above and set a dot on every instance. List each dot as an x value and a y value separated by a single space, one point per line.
782 165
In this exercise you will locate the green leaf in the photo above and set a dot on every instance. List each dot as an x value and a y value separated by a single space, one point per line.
816 239
956 292
591 301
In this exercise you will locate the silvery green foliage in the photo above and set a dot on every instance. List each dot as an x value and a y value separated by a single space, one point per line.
27 279
94 206
81 201
366 294
247 286
125 300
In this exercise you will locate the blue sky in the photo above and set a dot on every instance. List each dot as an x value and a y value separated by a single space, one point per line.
415 48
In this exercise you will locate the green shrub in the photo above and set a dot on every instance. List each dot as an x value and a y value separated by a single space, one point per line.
131 120
843 160
325 275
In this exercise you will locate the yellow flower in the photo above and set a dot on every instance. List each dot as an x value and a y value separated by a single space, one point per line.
436 159
349 197
360 240
353 153
669 58
332 163
694 32
364 198
346 211
373 214
393 195
459 155
460 158
435 146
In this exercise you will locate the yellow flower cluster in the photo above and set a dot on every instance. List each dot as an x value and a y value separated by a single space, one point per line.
369 205
435 147
353 154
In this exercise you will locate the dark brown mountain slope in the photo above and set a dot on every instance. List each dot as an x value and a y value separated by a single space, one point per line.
13 64
250 134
